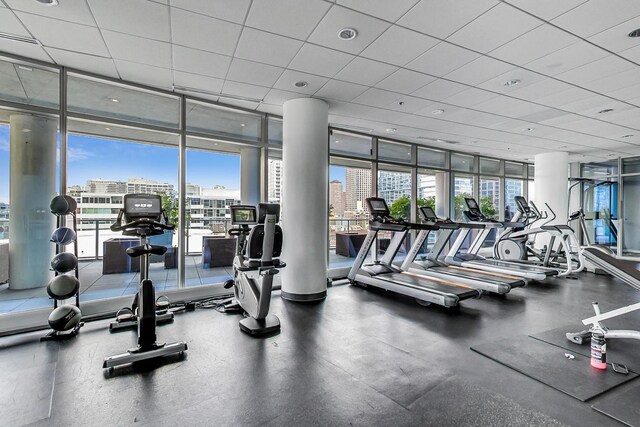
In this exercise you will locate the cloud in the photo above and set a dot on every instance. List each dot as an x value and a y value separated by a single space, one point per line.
76 154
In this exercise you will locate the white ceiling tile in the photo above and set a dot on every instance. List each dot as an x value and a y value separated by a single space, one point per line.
629 92
615 38
613 82
632 54
289 77
196 81
442 18
342 91
279 97
592 104
479 70
509 107
270 109
200 62
320 60
82 62
439 90
546 9
594 16
234 11
596 70
383 9
535 44
253 72
147 74
567 58
497 84
399 46
203 32
377 98
539 89
365 71
11 25
411 104
244 89
292 18
267 48
138 49
470 97
138 17
32 51
496 27
73 11
64 35
326 33
442 59
405 81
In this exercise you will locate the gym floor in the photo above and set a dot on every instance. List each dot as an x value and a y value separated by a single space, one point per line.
361 357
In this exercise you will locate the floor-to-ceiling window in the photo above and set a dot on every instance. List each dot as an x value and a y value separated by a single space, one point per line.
513 186
599 202
275 170
630 201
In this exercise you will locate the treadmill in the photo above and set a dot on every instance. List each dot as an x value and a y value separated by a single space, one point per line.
383 274
471 259
431 266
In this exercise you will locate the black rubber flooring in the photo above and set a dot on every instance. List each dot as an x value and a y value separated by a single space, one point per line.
362 357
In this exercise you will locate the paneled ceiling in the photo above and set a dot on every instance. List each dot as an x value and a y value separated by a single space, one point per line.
428 71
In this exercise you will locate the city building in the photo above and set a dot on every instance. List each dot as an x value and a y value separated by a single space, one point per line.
393 185
358 189
103 186
337 197
274 190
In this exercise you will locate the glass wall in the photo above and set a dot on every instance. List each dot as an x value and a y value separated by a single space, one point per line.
463 186
4 183
600 207
394 186
630 202
512 188
349 187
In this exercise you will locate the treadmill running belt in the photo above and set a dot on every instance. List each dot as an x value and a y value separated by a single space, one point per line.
479 275
461 291
510 266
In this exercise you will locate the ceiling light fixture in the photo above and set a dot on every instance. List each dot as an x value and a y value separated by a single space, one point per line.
242 125
301 84
634 33
437 112
337 142
612 155
48 2
626 136
391 130
441 141
347 34
513 82
26 130
17 38
528 129
115 100
605 111
107 128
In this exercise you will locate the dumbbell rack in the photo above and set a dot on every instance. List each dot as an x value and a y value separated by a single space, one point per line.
53 334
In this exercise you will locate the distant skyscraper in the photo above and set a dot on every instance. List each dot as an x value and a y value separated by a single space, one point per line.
393 185
336 197
275 180
358 183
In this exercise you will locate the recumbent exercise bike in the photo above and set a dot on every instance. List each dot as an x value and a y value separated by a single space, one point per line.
256 262
143 214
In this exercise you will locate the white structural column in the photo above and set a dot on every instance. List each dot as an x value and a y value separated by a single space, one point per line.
305 155
33 185
551 187
250 175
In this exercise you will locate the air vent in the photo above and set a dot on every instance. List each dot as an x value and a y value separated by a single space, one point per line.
17 38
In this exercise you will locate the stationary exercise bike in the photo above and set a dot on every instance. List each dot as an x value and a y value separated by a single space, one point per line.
142 215
255 263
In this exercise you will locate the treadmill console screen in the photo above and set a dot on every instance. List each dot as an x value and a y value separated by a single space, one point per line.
428 214
522 204
377 206
243 215
472 205
138 206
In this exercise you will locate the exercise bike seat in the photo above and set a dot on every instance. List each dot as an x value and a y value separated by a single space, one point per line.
140 250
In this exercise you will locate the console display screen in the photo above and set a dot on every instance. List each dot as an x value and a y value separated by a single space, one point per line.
378 205
244 216
428 213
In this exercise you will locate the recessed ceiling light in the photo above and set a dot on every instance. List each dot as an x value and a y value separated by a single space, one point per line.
391 130
215 143
513 82
528 129
612 155
347 34
441 140
115 100
626 136
606 110
634 33
26 130
408 154
337 141
437 112
301 84
48 2
242 125
107 128
563 146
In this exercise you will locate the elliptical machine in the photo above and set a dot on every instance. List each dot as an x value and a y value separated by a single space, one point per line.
255 263
143 214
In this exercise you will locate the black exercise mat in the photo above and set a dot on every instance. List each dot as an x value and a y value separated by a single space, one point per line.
547 363
622 406
623 351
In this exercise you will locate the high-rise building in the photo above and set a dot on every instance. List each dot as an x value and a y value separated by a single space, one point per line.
426 186
358 183
275 180
336 197
393 185
106 186
148 186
